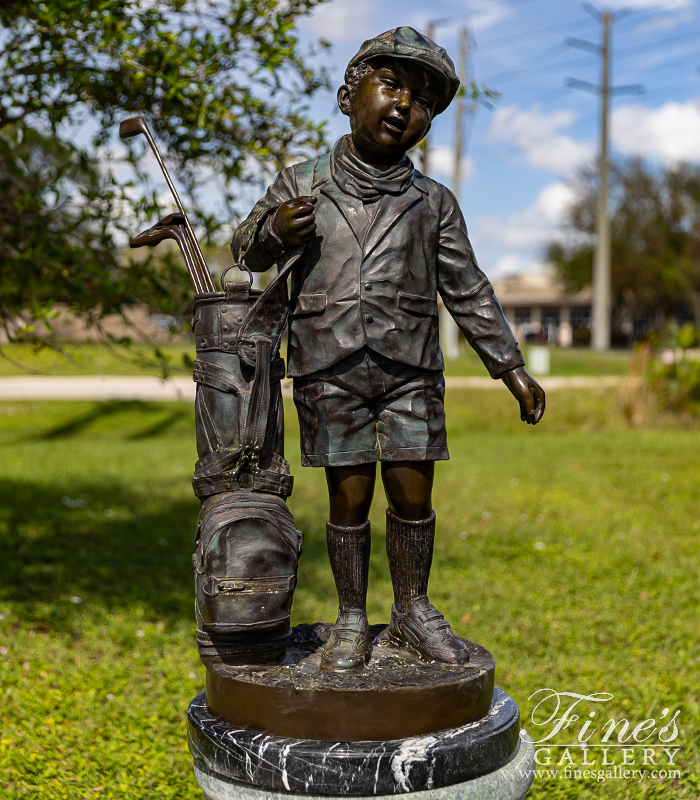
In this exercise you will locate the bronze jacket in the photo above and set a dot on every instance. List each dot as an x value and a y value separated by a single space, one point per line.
375 283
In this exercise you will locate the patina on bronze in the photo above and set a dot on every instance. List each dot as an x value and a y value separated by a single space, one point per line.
396 696
369 244
247 545
377 243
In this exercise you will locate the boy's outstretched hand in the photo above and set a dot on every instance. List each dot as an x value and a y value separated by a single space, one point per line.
293 221
527 392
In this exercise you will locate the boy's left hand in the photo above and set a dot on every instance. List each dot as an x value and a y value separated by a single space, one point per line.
527 392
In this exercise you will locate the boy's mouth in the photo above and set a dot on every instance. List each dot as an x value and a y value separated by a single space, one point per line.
395 124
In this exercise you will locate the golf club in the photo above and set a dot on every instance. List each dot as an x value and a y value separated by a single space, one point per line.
135 126
172 227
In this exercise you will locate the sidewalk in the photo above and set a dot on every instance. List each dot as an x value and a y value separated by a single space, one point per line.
145 387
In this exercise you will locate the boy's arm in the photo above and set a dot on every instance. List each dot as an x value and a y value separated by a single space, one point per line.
254 240
468 295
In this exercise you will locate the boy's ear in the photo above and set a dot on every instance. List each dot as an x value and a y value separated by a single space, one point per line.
344 100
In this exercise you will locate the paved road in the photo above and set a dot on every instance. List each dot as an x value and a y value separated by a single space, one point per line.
143 387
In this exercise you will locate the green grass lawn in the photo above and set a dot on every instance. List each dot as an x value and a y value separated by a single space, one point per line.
87 358
100 359
569 550
564 361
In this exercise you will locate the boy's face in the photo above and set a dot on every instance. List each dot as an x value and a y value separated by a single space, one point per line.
392 107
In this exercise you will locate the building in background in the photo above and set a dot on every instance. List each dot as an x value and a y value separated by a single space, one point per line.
539 309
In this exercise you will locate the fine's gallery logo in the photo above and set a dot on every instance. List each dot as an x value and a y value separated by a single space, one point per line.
574 733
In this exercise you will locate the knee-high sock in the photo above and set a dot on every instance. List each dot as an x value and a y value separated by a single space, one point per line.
409 548
349 549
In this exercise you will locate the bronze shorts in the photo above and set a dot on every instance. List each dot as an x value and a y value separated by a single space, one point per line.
369 408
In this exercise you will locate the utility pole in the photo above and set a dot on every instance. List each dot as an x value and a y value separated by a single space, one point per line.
425 161
430 33
449 333
459 119
600 317
602 274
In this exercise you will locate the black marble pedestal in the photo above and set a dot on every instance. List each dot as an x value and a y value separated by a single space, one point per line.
368 768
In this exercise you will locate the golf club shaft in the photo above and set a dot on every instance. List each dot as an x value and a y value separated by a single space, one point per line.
190 262
197 250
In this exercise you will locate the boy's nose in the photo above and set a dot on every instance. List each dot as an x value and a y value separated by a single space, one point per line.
404 101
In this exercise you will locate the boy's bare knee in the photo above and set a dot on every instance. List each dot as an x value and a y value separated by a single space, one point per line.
408 487
350 492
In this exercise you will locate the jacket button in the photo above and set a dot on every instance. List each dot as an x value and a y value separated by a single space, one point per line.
368 287
225 328
369 318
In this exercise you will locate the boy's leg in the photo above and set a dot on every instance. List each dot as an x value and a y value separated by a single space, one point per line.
410 533
350 491
409 488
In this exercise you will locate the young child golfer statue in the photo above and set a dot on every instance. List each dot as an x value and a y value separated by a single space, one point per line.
377 242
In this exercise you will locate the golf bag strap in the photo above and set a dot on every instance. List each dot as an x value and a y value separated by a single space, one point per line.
259 404
217 462
218 377
269 296
261 481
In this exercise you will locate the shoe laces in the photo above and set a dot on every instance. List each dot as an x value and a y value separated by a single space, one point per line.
428 615
349 626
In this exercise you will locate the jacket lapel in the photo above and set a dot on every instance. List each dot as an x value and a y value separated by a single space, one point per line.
391 208
350 207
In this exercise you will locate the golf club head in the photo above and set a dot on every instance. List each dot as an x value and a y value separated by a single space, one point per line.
170 227
132 127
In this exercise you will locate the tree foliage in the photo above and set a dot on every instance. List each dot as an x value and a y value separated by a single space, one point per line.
655 234
225 87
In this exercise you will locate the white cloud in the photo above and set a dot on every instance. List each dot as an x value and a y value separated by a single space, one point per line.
540 138
490 15
519 238
442 161
514 265
344 21
670 133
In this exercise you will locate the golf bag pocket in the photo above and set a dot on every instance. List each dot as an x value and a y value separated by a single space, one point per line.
245 569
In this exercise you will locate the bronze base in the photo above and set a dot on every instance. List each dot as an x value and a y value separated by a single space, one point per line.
398 695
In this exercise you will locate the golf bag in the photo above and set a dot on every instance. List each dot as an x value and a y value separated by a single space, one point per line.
247 545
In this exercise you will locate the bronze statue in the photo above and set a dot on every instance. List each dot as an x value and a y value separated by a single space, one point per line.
368 243
374 242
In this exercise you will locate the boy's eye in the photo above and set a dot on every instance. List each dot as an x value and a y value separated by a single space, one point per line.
389 83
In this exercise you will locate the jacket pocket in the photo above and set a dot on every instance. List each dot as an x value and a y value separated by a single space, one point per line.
417 304
309 304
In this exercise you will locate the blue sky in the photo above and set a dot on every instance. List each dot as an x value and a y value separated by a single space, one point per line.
521 154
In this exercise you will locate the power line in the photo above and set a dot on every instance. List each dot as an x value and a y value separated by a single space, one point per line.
513 75
539 33
658 66
532 62
653 92
439 23
514 149
635 48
